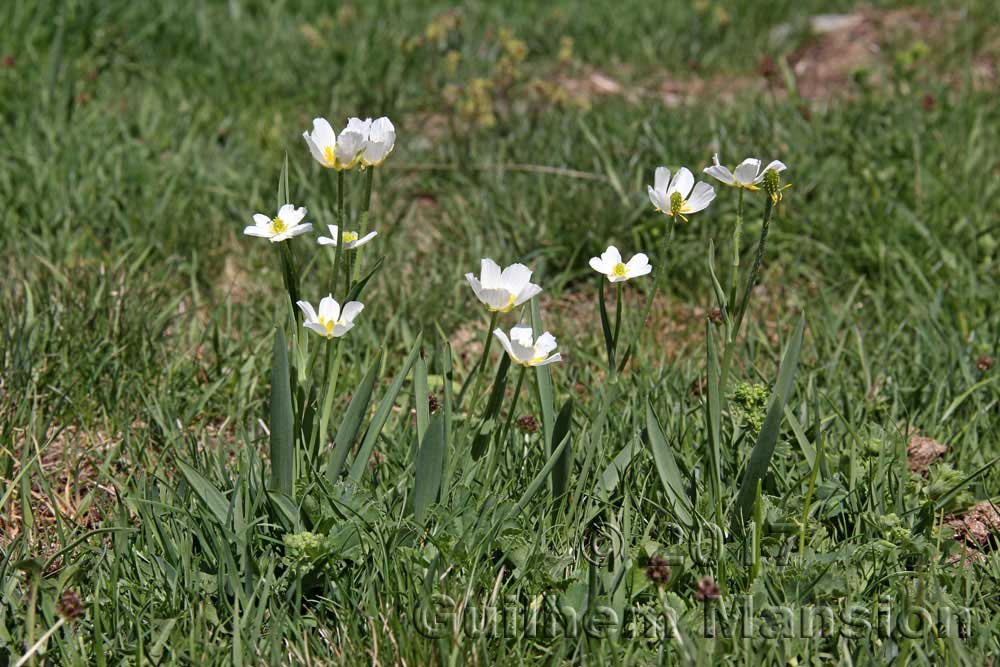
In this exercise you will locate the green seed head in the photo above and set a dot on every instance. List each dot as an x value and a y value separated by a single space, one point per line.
772 183
676 202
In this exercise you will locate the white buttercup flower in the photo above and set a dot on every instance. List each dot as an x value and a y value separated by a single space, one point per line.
333 151
381 140
350 239
285 225
610 264
500 290
330 321
525 351
680 196
747 174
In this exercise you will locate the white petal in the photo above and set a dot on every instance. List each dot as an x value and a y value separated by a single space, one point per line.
286 212
522 351
295 217
325 241
362 127
322 134
776 165
254 230
329 309
641 271
515 277
477 287
529 291
682 183
261 220
315 326
658 200
701 197
340 329
747 170
721 173
314 149
365 239
504 341
307 308
551 360
349 145
637 262
489 273
299 230
523 334
497 298
545 343
351 310
661 179
597 264
611 256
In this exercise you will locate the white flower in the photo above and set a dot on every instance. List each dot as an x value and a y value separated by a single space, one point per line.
285 225
351 239
525 351
610 264
381 140
502 291
679 196
331 322
337 152
747 175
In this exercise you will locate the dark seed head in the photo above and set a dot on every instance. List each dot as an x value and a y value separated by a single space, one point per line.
707 589
985 363
70 605
433 404
658 570
527 424
715 316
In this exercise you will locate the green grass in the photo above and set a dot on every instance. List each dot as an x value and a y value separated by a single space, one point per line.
137 327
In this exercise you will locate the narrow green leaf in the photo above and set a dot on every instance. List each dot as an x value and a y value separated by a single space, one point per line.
564 465
353 417
429 467
763 450
421 396
543 378
206 492
282 421
713 419
360 463
360 284
666 468
482 438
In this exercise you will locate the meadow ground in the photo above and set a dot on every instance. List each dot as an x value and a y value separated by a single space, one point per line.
819 491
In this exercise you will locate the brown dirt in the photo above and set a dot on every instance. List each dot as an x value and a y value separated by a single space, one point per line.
922 452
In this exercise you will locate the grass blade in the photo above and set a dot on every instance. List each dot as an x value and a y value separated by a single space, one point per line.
760 457
353 417
211 497
666 468
282 422
429 467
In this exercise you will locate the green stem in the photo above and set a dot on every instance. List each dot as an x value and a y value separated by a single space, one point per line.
609 337
727 357
332 374
619 306
657 286
339 248
289 276
513 408
363 229
477 372
734 270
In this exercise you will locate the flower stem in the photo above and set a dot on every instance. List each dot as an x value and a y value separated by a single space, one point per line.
657 286
477 372
338 253
727 357
363 227
513 407
619 306
609 337
332 373
734 270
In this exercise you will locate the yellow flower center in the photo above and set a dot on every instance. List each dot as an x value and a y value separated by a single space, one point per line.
329 156
278 225
328 325
350 237
676 204
536 360
618 271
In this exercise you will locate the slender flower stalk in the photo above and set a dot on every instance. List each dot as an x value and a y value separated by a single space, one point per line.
610 264
477 373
